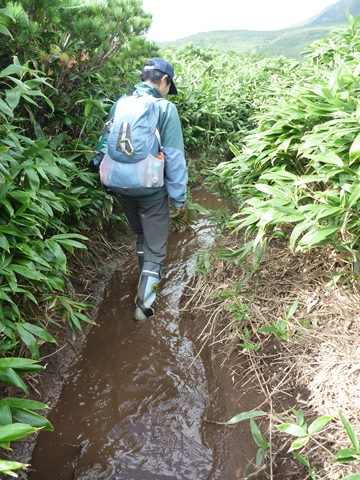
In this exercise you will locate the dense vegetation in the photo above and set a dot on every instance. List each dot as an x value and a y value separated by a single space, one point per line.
60 64
292 127
299 167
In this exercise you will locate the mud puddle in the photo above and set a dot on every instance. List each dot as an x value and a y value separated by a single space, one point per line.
135 402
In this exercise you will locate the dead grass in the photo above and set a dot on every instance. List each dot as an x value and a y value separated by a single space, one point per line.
316 371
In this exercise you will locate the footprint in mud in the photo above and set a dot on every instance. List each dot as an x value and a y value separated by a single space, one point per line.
96 470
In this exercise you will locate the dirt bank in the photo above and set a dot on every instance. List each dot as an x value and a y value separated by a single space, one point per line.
304 364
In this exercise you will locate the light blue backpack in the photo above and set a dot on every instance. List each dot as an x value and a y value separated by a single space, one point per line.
129 167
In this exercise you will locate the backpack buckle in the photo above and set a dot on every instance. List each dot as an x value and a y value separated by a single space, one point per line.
128 149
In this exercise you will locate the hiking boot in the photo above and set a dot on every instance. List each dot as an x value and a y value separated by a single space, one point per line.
147 287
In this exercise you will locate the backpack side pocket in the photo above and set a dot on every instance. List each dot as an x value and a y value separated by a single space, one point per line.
151 172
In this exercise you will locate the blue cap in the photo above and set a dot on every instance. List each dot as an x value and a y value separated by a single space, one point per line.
165 67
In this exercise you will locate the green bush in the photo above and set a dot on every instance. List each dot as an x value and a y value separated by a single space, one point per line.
300 166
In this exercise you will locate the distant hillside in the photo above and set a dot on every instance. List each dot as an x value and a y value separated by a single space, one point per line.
335 14
289 42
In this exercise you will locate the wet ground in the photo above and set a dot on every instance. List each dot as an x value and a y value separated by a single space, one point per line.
135 402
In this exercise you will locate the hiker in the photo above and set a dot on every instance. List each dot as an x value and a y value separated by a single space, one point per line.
162 175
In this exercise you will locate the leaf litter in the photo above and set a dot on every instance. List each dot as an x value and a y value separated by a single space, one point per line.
316 371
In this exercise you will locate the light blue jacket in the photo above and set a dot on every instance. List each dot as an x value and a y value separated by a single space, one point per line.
176 176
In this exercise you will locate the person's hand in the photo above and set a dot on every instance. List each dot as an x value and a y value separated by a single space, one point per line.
177 213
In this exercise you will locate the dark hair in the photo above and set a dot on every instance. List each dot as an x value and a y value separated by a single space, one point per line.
153 75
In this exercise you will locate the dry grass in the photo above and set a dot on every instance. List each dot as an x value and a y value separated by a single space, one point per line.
316 371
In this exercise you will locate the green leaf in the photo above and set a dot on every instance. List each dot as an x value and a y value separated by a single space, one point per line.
32 179
301 459
8 375
30 273
7 466
297 231
23 415
259 457
292 309
292 429
354 152
23 403
5 414
15 431
39 332
245 416
5 31
299 443
328 158
352 476
13 98
346 455
14 362
317 237
29 340
4 244
319 423
349 430
256 434
67 240
354 197
272 191
259 253
58 253
4 107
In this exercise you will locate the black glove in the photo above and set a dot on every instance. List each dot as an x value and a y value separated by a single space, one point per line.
95 162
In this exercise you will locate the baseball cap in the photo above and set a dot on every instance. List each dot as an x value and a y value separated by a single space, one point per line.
165 67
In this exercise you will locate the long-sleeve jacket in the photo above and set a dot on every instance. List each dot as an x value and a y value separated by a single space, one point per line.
172 146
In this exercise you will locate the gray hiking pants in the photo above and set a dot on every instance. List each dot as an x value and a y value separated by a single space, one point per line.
151 222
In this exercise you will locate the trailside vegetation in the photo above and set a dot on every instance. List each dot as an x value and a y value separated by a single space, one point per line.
287 265
62 63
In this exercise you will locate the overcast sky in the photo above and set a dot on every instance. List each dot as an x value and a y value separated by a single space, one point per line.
174 20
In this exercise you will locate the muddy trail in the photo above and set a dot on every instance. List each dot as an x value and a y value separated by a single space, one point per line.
136 402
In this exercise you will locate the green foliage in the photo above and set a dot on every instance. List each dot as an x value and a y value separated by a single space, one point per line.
303 433
203 264
89 52
39 197
62 64
347 455
11 369
57 60
304 461
8 467
301 430
18 409
258 438
216 95
299 167
280 328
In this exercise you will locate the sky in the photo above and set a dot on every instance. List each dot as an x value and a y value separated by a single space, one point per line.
177 19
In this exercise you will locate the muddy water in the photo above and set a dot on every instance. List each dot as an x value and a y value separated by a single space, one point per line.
136 399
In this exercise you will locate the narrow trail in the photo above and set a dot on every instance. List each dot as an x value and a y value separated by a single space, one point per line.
135 402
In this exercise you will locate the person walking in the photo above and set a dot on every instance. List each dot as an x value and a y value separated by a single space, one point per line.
149 214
